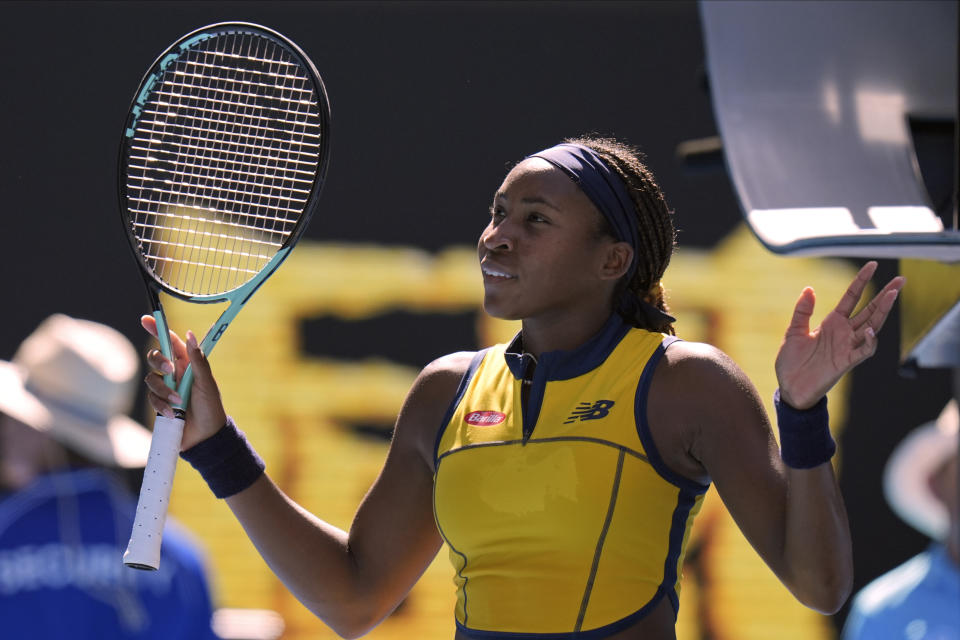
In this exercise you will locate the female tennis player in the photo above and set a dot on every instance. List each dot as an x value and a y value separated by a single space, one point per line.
564 469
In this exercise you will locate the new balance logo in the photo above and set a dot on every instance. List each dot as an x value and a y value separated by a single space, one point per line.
588 411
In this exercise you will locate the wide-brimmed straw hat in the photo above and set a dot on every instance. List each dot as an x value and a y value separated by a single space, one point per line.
906 479
76 380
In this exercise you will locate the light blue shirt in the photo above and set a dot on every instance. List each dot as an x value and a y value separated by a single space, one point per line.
919 600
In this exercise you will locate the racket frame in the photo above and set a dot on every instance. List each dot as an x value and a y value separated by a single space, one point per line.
143 552
238 296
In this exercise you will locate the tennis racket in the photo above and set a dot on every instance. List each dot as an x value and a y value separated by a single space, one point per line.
222 158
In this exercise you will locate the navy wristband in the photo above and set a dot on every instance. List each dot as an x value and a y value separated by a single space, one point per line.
226 461
805 440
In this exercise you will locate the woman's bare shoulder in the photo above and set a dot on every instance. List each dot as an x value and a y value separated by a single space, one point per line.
428 400
447 367
700 401
698 363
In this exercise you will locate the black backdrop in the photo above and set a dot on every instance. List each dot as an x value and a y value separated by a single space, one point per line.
431 102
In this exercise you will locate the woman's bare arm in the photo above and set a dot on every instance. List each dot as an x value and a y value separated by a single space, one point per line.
794 518
351 580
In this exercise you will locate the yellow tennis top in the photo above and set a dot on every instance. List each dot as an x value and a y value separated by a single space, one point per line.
559 514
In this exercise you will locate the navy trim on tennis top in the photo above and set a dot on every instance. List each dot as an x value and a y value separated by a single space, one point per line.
598 553
560 365
457 397
462 555
591 634
685 502
564 365
643 427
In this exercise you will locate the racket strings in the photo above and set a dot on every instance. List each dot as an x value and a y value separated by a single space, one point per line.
244 112
186 84
222 162
171 220
238 167
209 120
222 196
216 237
190 169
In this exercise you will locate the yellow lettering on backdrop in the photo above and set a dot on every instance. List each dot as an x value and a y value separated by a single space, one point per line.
297 409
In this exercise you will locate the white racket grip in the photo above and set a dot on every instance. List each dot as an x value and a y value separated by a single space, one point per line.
143 550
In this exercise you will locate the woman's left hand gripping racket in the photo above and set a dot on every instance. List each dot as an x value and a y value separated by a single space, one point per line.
221 163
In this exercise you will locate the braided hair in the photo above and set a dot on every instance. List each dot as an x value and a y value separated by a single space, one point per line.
655 222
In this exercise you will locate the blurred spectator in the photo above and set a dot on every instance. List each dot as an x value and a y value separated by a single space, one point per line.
920 599
65 514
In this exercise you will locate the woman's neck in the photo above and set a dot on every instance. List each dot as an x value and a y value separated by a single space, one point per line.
561 332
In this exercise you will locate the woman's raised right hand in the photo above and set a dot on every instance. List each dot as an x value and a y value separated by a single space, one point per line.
205 413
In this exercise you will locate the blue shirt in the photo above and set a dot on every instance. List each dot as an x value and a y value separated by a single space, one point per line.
919 600
62 574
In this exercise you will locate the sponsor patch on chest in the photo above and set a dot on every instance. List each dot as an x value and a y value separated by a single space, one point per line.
484 418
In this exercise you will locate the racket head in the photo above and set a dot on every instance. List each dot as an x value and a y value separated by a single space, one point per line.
222 158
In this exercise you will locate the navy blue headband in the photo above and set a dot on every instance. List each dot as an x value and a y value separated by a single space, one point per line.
608 192
605 189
